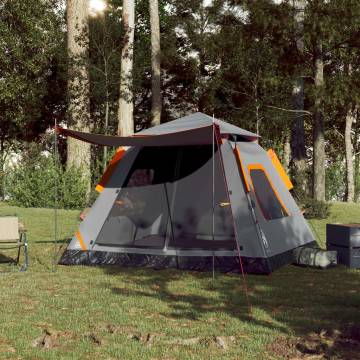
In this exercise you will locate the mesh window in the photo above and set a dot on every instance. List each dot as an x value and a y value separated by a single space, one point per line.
266 197
176 179
140 215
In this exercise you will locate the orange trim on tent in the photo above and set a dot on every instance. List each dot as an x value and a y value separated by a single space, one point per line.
279 168
81 240
261 167
109 170
241 166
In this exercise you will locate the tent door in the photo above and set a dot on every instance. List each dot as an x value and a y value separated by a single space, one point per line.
195 224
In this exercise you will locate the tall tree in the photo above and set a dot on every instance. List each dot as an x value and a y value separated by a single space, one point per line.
349 154
105 47
318 124
155 63
126 104
298 150
78 152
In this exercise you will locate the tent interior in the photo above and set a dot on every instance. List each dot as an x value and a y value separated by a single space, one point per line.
172 197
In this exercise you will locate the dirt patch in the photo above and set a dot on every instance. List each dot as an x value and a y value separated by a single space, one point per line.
50 338
282 347
5 347
95 339
326 344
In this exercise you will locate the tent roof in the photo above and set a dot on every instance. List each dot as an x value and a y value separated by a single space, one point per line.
195 121
195 129
196 136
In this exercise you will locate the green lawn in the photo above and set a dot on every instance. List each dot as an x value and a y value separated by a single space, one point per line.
113 313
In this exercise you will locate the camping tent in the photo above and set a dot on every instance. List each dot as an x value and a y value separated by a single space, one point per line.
192 193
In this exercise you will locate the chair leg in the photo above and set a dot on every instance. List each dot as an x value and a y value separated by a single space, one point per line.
26 255
18 255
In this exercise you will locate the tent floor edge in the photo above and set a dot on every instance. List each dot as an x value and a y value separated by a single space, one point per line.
224 264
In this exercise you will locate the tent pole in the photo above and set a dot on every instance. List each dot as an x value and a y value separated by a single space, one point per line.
218 142
55 198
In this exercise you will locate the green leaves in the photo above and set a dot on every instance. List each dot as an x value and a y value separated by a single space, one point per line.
31 34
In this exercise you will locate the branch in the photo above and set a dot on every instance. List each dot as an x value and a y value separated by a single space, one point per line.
304 112
338 132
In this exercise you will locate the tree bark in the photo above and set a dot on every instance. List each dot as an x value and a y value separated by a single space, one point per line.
78 152
155 63
350 184
126 105
318 128
287 152
356 149
298 149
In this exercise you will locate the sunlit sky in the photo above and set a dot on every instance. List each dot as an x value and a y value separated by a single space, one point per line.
97 6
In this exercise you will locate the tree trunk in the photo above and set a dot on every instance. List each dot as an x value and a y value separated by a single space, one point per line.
287 152
298 149
107 109
126 105
356 149
318 129
105 153
350 186
78 152
155 63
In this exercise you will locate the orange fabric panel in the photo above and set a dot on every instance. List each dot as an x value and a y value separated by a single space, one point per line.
261 167
279 168
81 240
113 162
241 166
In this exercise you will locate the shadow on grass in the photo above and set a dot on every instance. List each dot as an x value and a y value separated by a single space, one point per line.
5 259
60 241
293 300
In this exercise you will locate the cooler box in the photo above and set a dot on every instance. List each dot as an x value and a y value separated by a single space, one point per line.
345 239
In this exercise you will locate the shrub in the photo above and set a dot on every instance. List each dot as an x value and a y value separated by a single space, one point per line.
336 180
32 182
315 209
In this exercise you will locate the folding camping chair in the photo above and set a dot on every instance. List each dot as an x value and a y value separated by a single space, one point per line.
13 236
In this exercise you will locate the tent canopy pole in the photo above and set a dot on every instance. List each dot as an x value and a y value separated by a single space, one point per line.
244 281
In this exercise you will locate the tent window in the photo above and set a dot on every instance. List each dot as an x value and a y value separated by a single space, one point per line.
269 202
140 215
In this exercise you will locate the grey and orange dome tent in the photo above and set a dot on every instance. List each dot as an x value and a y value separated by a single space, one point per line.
192 193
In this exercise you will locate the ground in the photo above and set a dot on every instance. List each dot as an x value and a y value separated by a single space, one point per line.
78 312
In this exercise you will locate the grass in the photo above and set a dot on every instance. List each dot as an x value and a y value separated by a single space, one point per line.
106 313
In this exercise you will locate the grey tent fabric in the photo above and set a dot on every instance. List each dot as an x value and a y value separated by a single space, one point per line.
179 198
201 135
195 121
188 130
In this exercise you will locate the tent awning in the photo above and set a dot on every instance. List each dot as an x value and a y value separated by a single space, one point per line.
198 136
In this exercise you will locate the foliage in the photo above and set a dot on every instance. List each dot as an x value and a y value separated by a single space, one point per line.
33 180
31 70
336 180
315 209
